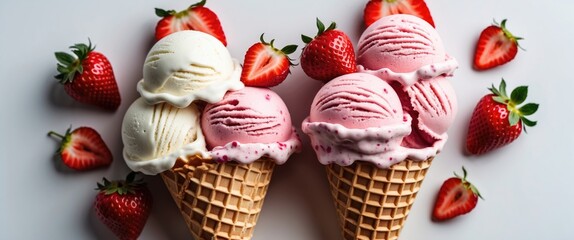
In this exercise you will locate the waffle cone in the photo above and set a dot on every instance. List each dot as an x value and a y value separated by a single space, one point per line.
219 200
373 203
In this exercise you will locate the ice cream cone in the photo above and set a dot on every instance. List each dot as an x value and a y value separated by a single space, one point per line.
219 200
373 203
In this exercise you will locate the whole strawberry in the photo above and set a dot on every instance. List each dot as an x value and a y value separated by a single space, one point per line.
83 149
88 77
376 9
195 17
498 120
329 55
457 196
124 206
265 65
496 46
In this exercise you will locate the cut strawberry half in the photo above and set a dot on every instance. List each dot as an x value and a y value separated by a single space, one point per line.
265 65
83 149
456 196
496 46
195 17
376 9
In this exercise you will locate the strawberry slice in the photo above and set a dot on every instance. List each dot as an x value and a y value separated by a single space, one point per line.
496 46
265 65
83 149
195 17
456 197
377 9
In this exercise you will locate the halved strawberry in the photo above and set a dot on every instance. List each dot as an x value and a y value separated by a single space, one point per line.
376 9
456 196
195 17
83 149
265 65
496 46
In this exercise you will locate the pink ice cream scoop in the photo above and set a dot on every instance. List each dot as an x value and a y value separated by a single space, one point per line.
249 124
357 100
359 117
432 105
401 43
249 115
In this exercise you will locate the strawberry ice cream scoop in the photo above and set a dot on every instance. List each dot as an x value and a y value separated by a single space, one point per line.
357 100
401 43
359 117
248 124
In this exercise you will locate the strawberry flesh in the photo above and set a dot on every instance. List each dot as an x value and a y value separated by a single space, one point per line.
456 197
266 66
196 17
376 9
83 149
496 46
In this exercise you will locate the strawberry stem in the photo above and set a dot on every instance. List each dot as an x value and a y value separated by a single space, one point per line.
55 134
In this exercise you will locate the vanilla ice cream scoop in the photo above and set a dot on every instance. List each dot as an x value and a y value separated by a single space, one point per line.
186 66
154 136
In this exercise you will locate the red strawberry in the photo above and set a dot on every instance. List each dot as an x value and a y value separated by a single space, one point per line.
88 77
377 9
498 120
496 46
265 65
329 55
456 197
195 17
124 206
83 149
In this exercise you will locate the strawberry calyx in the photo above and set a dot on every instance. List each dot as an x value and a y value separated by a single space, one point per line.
507 33
467 184
165 13
283 51
68 66
320 30
64 139
121 187
517 97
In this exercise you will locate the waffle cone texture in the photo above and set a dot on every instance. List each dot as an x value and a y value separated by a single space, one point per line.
219 200
373 203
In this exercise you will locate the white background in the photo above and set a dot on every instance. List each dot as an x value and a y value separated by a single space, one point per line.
526 184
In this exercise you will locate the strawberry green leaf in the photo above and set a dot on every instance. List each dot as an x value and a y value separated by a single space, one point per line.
163 13
499 99
64 58
528 109
519 94
306 39
528 122
289 49
332 26
502 88
320 27
199 4
513 118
